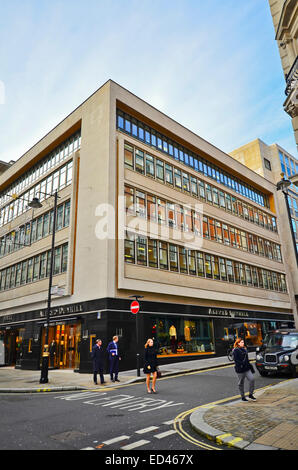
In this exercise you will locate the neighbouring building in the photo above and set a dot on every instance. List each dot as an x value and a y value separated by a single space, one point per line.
272 161
285 20
146 207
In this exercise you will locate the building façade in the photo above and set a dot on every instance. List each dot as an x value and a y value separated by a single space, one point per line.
148 208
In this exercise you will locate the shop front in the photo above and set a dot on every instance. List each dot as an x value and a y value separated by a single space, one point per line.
64 345
180 332
10 345
183 337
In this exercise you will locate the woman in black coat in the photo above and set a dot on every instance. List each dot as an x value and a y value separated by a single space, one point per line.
243 368
150 366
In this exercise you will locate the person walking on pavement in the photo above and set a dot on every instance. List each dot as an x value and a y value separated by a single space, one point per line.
150 365
114 359
243 368
98 361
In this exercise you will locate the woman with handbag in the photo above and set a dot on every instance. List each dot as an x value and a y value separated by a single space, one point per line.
150 365
243 368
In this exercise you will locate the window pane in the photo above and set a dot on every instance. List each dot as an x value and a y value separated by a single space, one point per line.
150 166
163 255
152 253
183 260
66 214
174 258
64 258
142 250
57 260
129 249
140 161
159 170
128 156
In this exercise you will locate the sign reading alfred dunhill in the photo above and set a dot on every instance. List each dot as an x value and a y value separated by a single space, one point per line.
228 313
63 310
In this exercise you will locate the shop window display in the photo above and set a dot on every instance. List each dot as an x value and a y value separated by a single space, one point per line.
251 332
180 336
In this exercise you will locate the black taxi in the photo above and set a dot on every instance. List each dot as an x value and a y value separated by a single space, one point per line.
278 353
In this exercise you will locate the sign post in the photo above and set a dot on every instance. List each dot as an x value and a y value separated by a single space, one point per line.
135 308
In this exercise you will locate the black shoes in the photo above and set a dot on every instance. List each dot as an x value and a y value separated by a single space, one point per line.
116 380
250 396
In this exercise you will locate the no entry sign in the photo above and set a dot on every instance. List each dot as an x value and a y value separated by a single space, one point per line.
134 307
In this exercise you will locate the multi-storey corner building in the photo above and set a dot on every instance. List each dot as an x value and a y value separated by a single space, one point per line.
272 161
146 207
285 20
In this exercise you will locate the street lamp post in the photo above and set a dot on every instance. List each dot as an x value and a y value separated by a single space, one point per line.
45 355
283 186
136 297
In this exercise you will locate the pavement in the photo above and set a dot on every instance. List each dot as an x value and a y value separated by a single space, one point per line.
270 423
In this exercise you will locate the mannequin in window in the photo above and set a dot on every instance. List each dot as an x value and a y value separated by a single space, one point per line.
187 333
173 338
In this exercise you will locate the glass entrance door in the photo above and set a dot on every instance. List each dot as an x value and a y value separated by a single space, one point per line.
64 343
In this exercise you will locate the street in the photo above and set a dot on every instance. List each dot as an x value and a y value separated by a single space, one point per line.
122 418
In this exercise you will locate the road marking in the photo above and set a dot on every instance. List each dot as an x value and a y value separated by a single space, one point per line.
169 422
134 445
122 401
179 419
88 448
143 431
115 439
165 434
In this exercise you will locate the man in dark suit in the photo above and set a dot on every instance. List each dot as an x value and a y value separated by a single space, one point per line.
98 361
114 359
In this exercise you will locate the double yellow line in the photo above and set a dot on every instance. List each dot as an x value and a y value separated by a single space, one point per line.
178 421
182 433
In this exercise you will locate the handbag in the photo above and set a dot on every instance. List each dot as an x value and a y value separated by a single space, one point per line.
252 368
147 369
158 372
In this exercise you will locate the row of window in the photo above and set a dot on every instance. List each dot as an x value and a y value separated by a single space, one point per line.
187 220
144 163
55 181
48 162
34 230
34 268
289 167
166 256
150 137
293 206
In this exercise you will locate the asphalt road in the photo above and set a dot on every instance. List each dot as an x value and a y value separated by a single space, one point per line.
125 418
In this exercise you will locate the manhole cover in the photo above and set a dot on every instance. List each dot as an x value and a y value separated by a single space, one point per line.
68 435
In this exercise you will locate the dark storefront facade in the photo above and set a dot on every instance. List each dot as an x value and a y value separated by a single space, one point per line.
180 332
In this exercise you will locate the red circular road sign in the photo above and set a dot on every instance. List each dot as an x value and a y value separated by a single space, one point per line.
134 307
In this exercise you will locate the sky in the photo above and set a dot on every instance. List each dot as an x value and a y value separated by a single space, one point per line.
212 66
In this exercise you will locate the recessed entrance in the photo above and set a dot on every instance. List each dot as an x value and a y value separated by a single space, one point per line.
64 351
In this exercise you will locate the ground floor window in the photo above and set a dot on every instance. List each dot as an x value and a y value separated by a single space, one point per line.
182 336
64 346
253 332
